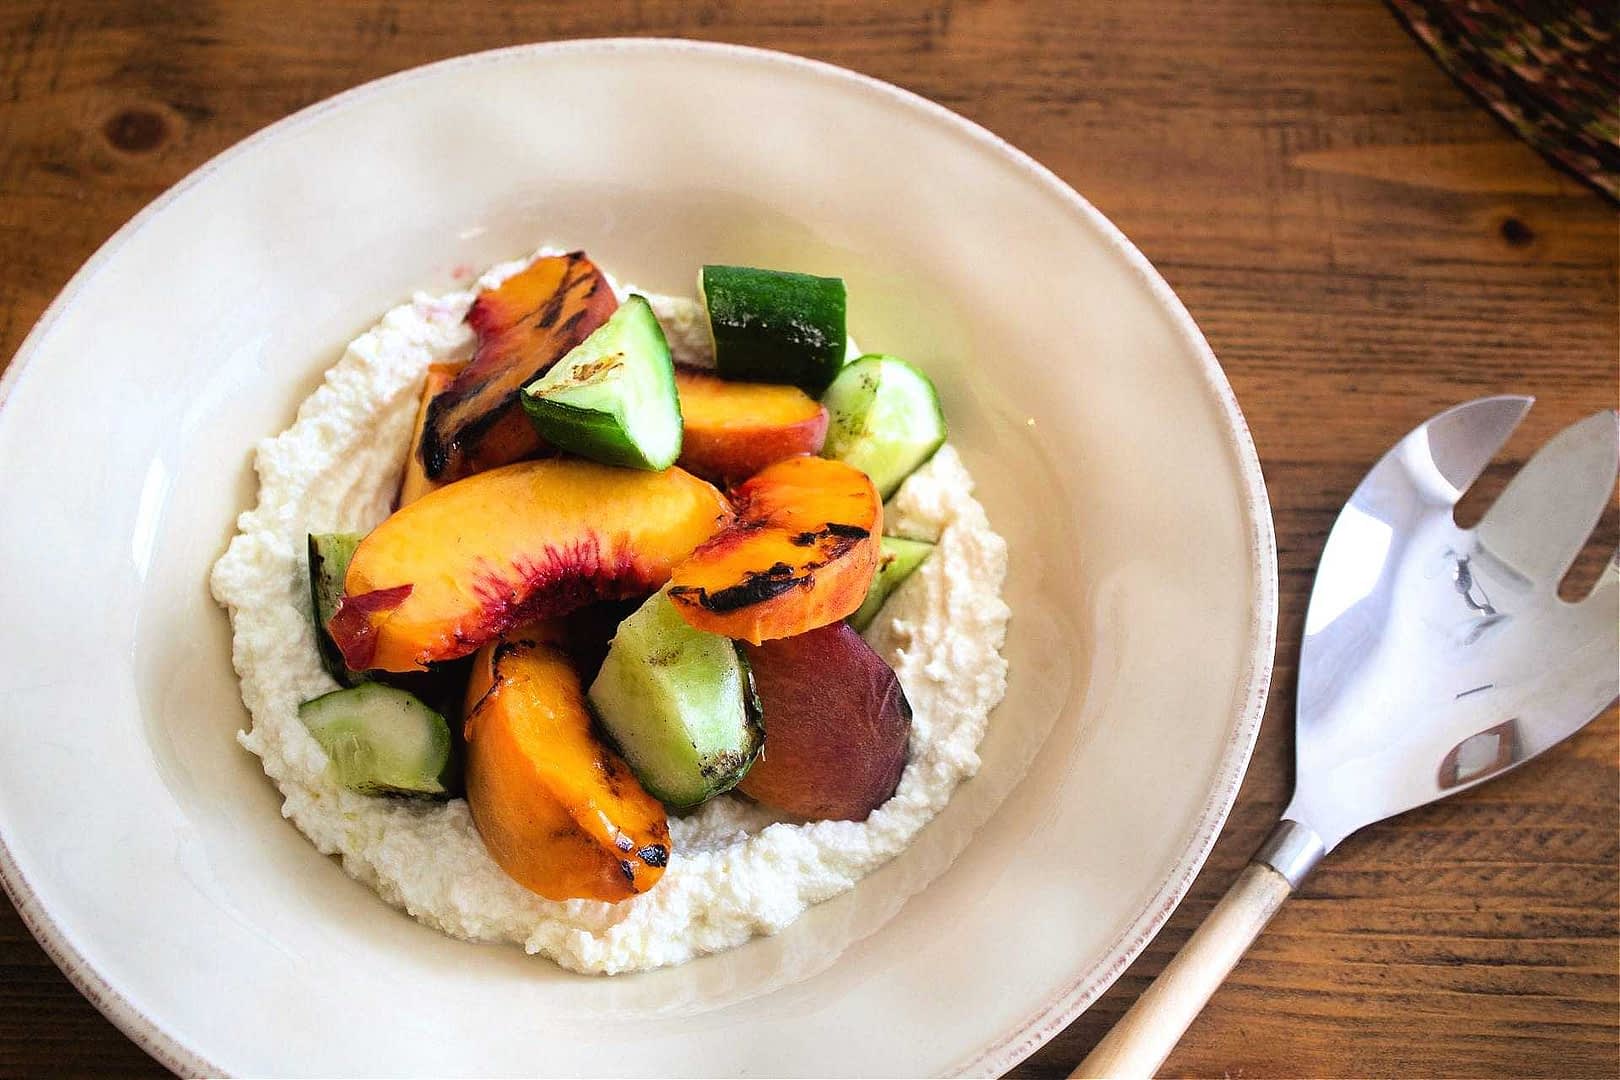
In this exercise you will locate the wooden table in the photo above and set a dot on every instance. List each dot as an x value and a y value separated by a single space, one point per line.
1361 242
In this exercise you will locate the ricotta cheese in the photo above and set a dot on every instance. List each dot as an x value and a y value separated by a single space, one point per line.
737 869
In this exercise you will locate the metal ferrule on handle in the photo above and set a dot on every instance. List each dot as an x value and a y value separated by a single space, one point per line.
1293 849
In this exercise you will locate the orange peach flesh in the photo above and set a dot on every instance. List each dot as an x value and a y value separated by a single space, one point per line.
466 563
734 429
801 554
558 810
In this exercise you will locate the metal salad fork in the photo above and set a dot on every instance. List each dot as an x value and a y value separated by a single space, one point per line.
1435 658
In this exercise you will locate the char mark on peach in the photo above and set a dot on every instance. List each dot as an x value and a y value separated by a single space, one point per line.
832 531
756 587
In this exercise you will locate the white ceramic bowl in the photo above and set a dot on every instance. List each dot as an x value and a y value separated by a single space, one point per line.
144 848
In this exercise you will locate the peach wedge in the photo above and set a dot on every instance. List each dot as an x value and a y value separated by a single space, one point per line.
801 553
735 429
837 725
464 564
558 810
415 482
524 326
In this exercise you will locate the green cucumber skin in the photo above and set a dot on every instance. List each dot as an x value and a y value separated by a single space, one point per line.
588 433
899 560
655 666
775 326
605 420
863 429
351 726
329 555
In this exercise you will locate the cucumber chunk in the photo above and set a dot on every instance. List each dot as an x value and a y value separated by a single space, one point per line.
900 557
329 555
382 740
680 704
884 419
775 326
612 397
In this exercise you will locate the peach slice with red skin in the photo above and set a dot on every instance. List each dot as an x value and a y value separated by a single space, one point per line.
732 430
475 559
801 553
415 483
524 326
558 809
837 725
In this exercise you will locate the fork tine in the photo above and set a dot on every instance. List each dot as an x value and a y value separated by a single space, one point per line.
1604 599
1544 517
1445 455
1596 622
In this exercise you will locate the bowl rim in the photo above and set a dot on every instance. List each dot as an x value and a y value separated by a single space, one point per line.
1059 1010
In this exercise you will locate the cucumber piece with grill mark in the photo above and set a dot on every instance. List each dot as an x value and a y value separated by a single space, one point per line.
680 704
612 398
884 418
382 740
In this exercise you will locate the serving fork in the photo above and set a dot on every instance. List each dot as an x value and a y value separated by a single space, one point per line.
1434 658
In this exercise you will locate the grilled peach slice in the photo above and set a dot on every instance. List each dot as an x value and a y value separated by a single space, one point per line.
558 810
464 564
801 553
524 326
735 429
415 482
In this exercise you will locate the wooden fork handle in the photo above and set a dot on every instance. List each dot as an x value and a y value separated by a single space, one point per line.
1146 1034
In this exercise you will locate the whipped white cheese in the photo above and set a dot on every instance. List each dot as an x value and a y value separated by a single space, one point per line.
737 870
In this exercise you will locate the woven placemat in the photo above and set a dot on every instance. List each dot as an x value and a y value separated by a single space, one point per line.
1550 70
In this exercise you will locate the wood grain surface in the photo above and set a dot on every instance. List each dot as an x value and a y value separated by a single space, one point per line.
1362 244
